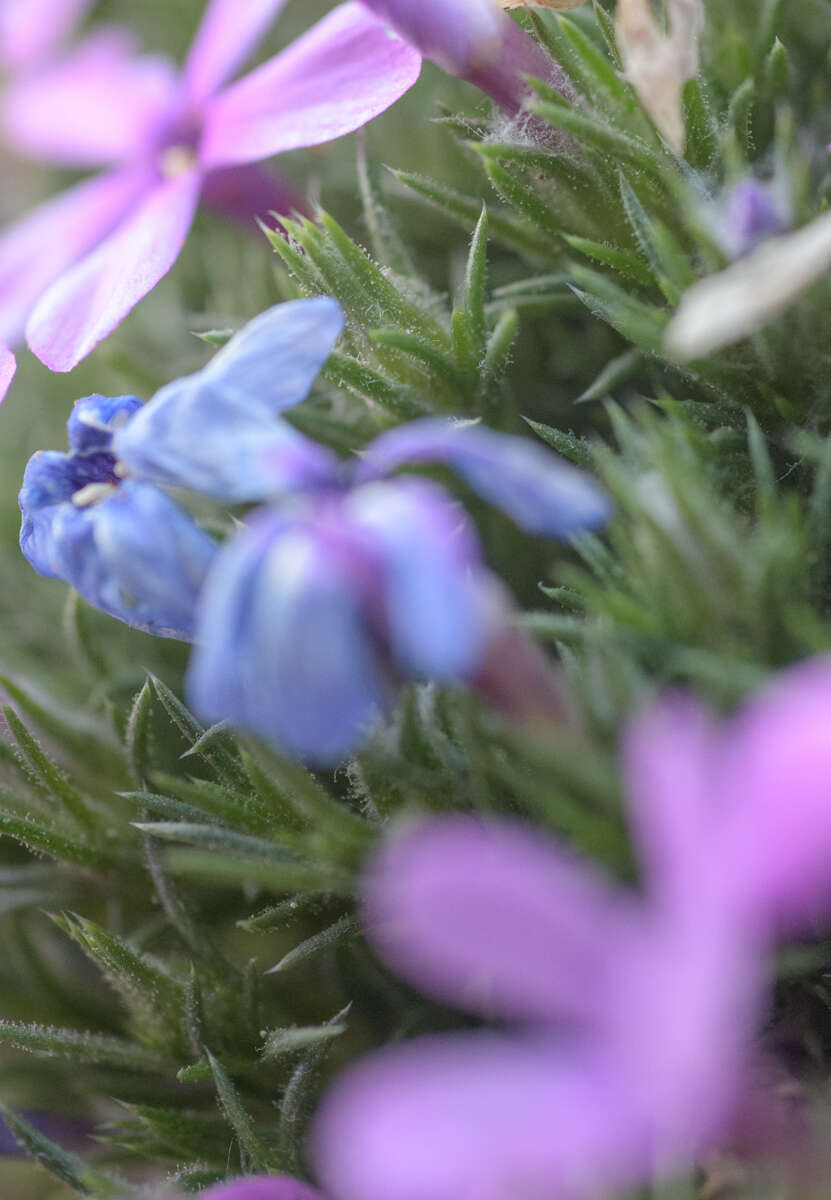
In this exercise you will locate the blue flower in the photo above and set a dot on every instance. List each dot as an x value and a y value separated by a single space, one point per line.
312 614
123 544
344 584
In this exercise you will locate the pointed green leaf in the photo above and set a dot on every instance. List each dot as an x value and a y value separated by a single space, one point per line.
568 444
282 1042
260 1157
342 930
52 778
50 1042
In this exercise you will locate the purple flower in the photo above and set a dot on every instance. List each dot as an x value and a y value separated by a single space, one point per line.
752 213
475 40
167 138
638 1009
588 1097
262 1187
30 30
124 545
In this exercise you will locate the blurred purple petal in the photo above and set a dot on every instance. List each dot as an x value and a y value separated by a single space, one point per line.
674 804
503 77
31 29
35 250
282 649
774 796
8 366
514 674
248 191
92 298
433 618
262 1187
455 34
229 31
340 74
538 489
753 212
699 980
215 431
98 104
475 40
479 1117
489 916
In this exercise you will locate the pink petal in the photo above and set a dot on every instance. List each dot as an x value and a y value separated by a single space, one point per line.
487 915
669 757
30 29
456 34
479 1117
99 104
683 1011
262 1187
228 33
8 366
343 72
93 297
475 40
774 792
35 250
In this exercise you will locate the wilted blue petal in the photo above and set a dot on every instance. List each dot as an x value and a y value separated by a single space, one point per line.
95 419
50 481
282 649
429 558
137 556
539 490
215 431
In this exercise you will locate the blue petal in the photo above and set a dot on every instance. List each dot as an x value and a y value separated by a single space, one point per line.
215 432
137 556
95 419
50 481
539 490
282 649
430 563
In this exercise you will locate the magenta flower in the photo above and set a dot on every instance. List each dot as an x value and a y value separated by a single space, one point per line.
30 30
475 40
638 1008
170 140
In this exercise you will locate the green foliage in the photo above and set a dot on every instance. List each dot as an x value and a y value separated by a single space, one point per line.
177 904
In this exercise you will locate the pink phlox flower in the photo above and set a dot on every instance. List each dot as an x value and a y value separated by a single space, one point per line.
635 1011
74 268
